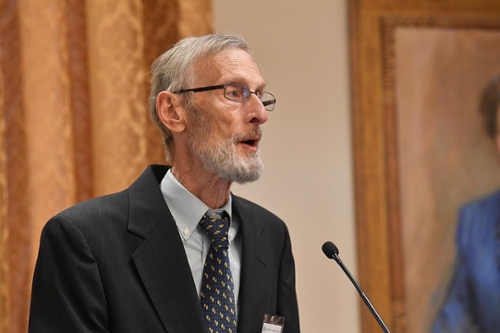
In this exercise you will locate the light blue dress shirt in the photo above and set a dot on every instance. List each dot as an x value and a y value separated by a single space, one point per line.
187 211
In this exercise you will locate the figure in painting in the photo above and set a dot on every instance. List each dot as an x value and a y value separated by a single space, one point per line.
473 300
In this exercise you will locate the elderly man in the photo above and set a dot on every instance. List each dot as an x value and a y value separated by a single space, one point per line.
176 251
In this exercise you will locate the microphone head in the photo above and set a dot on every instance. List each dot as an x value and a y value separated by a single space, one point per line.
330 250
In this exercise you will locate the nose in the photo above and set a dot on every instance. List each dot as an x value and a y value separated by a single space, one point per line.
259 113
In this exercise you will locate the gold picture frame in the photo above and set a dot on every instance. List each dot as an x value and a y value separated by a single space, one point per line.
390 39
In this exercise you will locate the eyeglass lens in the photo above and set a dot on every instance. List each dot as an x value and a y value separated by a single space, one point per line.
239 93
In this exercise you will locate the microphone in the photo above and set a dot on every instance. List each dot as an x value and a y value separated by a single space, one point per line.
332 252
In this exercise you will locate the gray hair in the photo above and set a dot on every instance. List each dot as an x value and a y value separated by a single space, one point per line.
174 70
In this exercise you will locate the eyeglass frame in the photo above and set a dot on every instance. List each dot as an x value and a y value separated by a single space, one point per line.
223 86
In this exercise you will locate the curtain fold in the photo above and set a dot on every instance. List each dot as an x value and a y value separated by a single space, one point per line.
73 114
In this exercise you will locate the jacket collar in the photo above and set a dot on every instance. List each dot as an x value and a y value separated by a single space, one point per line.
160 259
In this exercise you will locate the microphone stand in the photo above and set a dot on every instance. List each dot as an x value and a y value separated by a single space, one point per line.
374 312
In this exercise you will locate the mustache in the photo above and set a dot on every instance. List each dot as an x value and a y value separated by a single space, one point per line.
257 132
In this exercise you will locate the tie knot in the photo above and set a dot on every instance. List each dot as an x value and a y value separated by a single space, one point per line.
216 226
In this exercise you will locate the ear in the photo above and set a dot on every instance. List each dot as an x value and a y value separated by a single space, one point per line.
170 112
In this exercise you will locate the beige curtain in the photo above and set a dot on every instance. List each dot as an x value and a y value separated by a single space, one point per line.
73 117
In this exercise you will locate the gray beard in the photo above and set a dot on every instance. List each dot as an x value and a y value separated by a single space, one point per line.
222 157
224 160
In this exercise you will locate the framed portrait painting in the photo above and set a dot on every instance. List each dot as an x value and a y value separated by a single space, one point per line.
421 149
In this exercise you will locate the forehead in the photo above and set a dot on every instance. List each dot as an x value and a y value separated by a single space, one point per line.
235 65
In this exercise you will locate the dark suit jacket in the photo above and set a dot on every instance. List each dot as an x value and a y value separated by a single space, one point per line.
117 264
473 299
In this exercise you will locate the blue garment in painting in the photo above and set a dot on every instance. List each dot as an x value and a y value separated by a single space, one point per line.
473 300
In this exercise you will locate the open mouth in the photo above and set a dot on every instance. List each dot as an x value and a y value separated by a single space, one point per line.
251 142
250 139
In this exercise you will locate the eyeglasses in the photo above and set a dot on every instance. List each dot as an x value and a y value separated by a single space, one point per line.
238 93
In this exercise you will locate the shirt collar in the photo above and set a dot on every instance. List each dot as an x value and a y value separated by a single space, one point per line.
186 209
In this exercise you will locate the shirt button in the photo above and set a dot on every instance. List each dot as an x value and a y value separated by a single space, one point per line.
186 231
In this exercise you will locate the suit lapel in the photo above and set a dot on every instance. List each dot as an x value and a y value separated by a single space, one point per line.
255 286
161 260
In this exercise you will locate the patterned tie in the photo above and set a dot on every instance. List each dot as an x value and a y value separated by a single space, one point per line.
217 297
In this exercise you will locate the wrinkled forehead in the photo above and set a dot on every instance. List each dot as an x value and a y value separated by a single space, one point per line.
228 65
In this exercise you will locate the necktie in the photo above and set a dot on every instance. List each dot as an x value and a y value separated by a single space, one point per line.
217 296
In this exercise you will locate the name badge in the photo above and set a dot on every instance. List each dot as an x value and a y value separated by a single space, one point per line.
273 324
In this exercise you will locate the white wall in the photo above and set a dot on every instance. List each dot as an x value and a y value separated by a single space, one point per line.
302 47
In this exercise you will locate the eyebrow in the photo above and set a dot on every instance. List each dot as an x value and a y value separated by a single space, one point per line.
243 81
